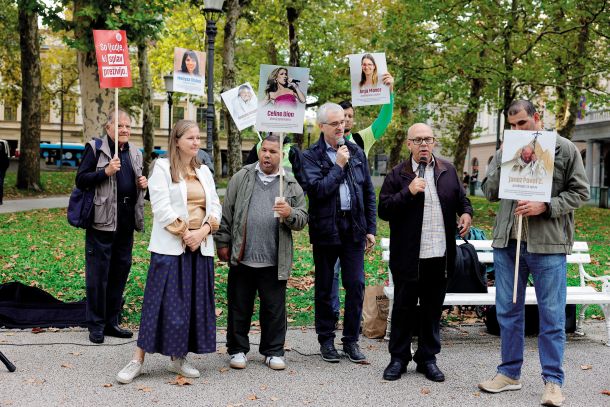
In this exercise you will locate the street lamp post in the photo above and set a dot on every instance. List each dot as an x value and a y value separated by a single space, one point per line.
169 88
212 9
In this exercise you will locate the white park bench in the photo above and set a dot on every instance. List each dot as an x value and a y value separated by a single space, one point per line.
583 294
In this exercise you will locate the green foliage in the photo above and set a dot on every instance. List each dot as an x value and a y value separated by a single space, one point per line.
39 248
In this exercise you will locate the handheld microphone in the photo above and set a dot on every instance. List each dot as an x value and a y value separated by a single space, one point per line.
421 170
341 142
295 81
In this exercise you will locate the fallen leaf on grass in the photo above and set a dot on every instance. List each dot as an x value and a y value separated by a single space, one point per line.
223 369
67 365
74 353
181 381
477 394
107 385
425 391
273 398
252 397
145 389
605 392
37 330
218 312
586 367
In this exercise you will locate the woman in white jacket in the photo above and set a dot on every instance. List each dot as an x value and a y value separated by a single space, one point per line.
178 312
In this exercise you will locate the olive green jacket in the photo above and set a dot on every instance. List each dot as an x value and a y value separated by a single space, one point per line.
551 231
232 231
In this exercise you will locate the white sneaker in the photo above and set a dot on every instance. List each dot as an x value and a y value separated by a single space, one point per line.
275 362
238 361
182 367
129 372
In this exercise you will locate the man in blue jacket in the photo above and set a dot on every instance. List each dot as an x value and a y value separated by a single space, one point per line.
342 225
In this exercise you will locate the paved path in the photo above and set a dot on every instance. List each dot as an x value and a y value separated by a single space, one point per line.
68 371
19 205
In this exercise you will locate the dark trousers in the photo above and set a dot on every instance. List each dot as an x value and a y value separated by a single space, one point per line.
430 291
244 282
107 266
351 255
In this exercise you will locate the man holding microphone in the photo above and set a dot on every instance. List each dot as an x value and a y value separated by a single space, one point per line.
421 198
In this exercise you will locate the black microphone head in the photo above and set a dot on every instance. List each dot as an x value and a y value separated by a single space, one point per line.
341 142
423 161
295 81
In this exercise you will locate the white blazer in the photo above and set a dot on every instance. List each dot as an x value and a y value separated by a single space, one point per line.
168 200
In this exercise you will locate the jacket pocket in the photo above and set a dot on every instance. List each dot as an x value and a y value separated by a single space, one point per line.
102 215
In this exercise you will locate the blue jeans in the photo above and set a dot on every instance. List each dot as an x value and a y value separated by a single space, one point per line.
549 274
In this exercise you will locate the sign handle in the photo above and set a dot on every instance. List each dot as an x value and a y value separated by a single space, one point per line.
281 164
517 255
116 122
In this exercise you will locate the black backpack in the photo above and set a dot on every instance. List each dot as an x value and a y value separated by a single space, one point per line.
470 275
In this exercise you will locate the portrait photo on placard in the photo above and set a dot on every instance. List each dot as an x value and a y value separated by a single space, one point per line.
366 71
242 104
189 71
282 94
528 159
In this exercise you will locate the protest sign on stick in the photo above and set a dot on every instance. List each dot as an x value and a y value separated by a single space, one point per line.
113 67
528 160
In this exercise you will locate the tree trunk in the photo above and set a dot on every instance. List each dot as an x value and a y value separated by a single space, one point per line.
228 82
96 103
295 53
28 174
466 126
148 120
398 142
272 52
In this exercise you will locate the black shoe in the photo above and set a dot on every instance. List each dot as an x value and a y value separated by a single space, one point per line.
96 336
431 371
394 370
352 350
329 353
117 332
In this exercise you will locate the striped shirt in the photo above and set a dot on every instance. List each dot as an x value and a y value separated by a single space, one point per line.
433 241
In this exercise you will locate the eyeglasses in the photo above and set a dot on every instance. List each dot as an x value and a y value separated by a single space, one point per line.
418 140
336 124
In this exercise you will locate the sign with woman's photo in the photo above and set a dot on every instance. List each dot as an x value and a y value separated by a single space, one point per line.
282 91
366 71
528 159
189 71
242 104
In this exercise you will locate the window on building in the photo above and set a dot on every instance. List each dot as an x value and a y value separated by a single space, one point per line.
177 114
201 112
69 111
10 111
157 116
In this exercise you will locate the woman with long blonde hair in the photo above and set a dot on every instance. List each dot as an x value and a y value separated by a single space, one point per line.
178 312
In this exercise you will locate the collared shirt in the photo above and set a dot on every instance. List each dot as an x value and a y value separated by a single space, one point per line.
264 177
344 195
433 240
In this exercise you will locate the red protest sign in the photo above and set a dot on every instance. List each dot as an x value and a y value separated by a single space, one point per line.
112 58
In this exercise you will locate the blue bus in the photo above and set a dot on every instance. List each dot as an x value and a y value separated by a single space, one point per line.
73 153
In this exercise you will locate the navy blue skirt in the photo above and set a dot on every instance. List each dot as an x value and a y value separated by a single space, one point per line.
178 312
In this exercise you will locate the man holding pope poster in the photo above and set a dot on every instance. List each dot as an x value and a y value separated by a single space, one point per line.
546 238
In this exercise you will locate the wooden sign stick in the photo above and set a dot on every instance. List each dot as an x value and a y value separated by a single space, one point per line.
517 255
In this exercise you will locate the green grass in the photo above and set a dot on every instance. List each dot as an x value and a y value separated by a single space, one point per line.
39 248
52 183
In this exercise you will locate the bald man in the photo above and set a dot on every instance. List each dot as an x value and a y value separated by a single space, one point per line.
423 190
